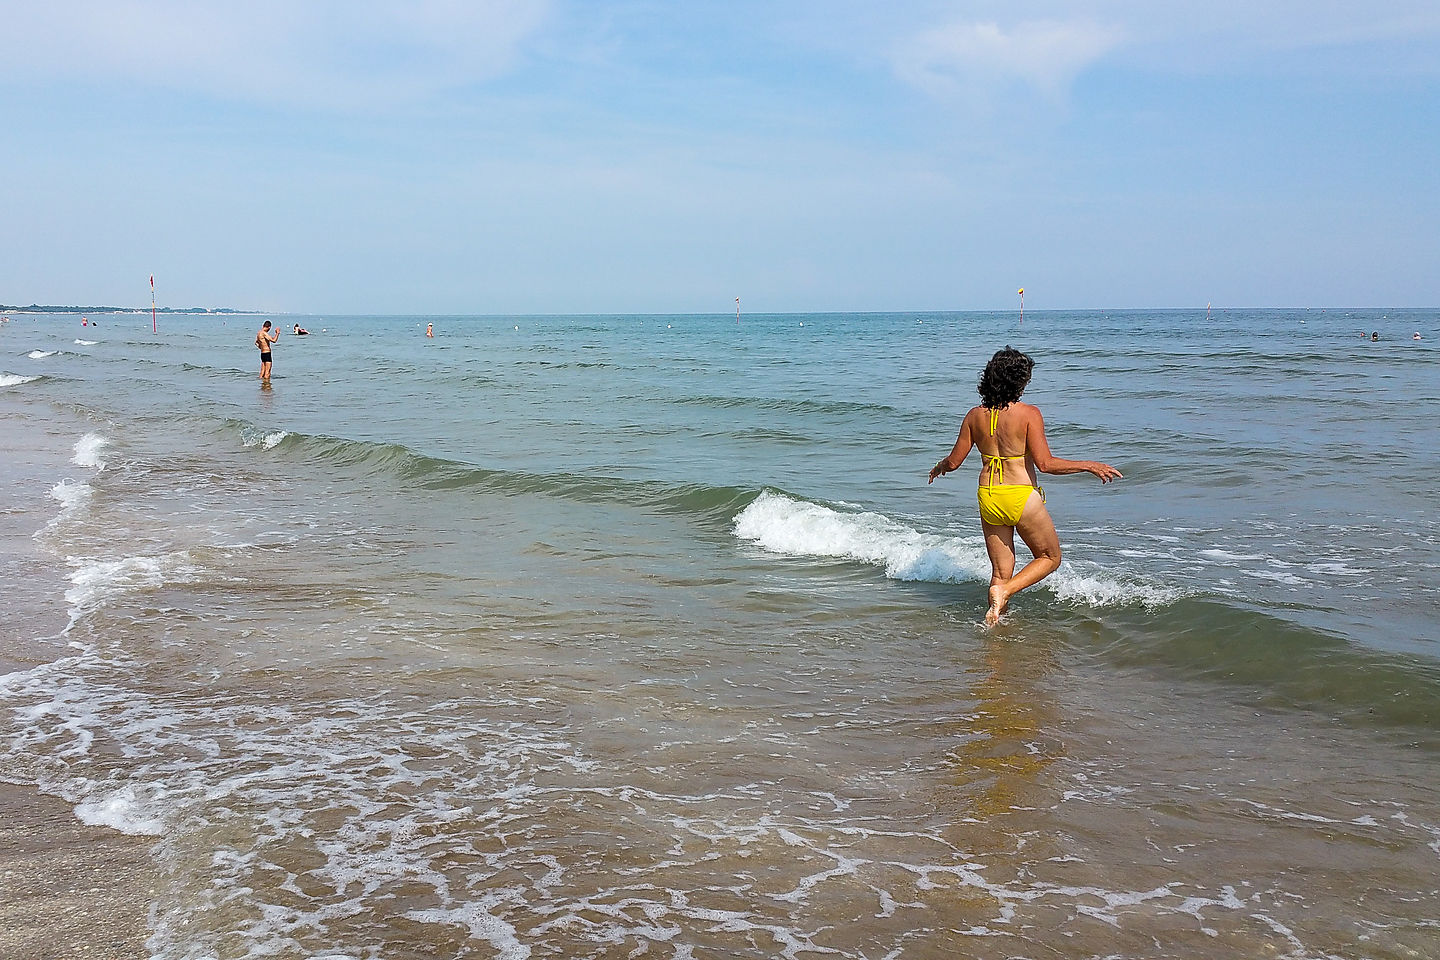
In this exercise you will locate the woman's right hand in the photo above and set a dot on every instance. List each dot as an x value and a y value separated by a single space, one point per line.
1104 471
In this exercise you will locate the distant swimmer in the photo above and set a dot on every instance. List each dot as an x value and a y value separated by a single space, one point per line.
1417 336
430 330
1375 337
1009 493
300 331
263 340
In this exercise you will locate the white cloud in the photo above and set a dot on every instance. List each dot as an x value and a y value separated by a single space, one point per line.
323 53
969 59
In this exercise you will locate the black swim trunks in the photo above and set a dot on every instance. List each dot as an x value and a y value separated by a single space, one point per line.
264 358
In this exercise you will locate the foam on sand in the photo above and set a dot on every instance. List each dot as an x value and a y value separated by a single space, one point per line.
799 528
125 809
476 917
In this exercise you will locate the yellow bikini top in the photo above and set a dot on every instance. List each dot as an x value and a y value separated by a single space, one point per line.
996 463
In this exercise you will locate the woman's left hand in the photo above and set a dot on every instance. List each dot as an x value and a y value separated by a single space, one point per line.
1105 472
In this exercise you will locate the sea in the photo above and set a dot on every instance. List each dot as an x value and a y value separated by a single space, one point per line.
645 636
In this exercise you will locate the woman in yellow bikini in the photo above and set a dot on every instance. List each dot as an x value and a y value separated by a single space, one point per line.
1011 438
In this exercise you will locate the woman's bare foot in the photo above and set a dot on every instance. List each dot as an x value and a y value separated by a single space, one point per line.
998 602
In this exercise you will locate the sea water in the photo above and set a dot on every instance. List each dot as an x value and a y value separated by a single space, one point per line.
645 636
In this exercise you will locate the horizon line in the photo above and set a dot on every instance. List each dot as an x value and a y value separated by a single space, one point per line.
59 310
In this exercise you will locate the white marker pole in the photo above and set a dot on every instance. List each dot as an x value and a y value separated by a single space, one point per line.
1022 304
737 310
153 327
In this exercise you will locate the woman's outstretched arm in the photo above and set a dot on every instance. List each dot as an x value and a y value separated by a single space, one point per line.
958 453
1038 449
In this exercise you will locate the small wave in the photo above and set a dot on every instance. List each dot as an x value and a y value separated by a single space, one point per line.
41 354
72 495
788 404
87 451
14 379
265 441
799 528
96 582
400 463
87 343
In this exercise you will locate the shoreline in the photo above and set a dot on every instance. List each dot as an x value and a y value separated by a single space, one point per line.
67 890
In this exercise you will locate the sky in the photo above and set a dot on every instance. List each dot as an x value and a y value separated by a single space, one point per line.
638 156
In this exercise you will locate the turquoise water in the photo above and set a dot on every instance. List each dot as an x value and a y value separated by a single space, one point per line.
572 635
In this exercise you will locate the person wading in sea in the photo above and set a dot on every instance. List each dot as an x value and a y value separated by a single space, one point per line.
1011 438
263 340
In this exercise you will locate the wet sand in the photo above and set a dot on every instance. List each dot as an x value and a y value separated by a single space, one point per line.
68 890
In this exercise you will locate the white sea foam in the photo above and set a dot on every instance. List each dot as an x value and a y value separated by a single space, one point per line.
73 496
1073 584
86 343
265 441
87 451
14 379
482 924
798 528
310 780
41 354
96 582
1227 556
125 809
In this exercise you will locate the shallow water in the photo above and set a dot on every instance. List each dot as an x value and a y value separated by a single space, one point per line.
608 634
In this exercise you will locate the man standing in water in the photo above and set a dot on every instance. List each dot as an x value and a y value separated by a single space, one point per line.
1010 495
263 340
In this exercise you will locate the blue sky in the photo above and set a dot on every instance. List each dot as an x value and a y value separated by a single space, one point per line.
532 157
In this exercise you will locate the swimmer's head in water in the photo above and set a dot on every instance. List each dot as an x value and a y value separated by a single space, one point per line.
1005 378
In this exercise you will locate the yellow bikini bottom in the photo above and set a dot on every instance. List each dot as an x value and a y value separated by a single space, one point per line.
1002 503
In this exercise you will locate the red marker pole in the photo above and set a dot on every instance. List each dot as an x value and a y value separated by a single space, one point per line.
153 328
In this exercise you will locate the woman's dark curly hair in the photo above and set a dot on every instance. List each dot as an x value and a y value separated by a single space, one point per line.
1005 378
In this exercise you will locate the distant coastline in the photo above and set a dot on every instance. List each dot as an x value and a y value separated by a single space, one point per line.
43 308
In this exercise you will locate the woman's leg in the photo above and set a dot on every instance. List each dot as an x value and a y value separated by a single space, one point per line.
1000 544
1038 531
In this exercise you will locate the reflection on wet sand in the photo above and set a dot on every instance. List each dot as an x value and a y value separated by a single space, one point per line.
1009 741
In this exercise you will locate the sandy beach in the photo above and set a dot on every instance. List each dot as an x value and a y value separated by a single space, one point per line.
68 890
